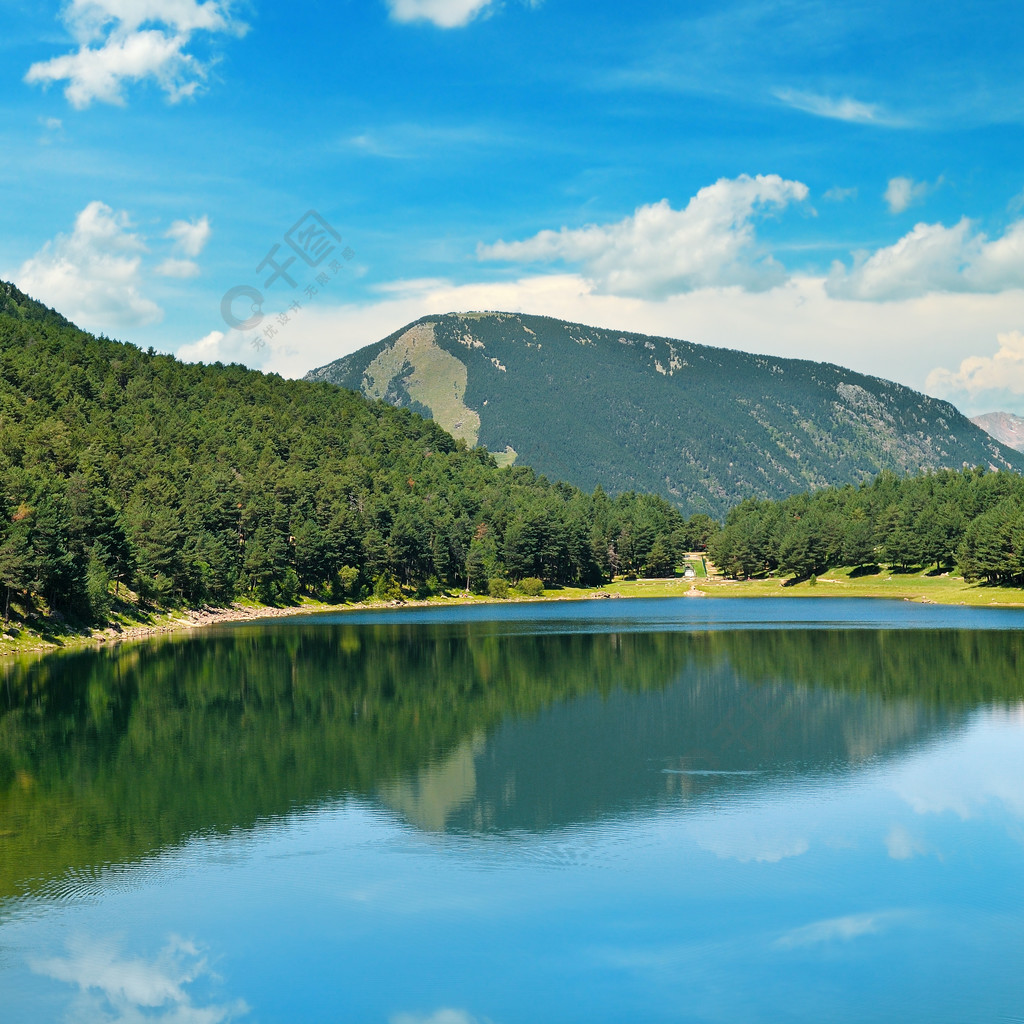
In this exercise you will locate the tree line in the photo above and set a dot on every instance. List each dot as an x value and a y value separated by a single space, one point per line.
970 519
123 469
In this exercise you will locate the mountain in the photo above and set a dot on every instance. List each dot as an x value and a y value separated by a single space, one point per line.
1005 427
705 427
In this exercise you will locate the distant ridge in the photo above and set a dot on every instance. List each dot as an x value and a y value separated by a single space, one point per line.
706 427
1005 427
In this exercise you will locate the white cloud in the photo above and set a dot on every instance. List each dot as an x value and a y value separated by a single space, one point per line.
206 350
190 235
445 1015
842 109
129 52
189 238
838 194
91 19
976 375
903 192
98 74
800 319
659 251
931 257
443 13
999 264
126 990
934 258
92 275
837 929
177 268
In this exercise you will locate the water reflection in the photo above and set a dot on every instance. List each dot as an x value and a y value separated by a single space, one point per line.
107 756
462 822
174 986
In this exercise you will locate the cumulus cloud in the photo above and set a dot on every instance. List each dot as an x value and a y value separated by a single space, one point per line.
660 251
442 13
125 990
98 74
123 41
836 109
903 192
92 275
976 375
207 349
190 236
934 258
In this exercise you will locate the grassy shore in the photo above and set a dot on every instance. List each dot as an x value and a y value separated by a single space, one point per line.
42 634
925 586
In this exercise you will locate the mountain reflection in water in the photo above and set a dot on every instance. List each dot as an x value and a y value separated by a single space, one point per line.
111 755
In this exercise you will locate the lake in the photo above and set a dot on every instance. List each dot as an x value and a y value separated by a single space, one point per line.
644 811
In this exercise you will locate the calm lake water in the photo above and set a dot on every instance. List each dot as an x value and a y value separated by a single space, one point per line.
621 811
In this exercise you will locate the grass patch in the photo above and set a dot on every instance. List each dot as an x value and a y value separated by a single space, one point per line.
433 378
873 581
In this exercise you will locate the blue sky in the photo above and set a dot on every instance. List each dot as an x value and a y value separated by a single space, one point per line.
836 182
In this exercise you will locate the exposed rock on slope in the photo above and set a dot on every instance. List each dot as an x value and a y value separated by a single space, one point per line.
1005 427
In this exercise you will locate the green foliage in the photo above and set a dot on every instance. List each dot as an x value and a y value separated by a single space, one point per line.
387 588
97 582
703 427
112 755
974 518
345 585
660 561
530 587
194 484
498 588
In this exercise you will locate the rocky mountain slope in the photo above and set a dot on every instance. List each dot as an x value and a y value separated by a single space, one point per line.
1005 427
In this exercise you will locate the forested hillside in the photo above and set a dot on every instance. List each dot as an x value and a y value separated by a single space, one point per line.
190 484
704 427
971 519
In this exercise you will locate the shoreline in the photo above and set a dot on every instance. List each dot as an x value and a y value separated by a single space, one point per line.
918 588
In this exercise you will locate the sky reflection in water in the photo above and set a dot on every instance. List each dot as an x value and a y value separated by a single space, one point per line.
705 835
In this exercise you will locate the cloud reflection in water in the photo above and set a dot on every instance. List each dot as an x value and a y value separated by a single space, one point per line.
123 989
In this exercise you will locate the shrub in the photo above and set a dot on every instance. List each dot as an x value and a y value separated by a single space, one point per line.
387 588
498 588
345 584
531 587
